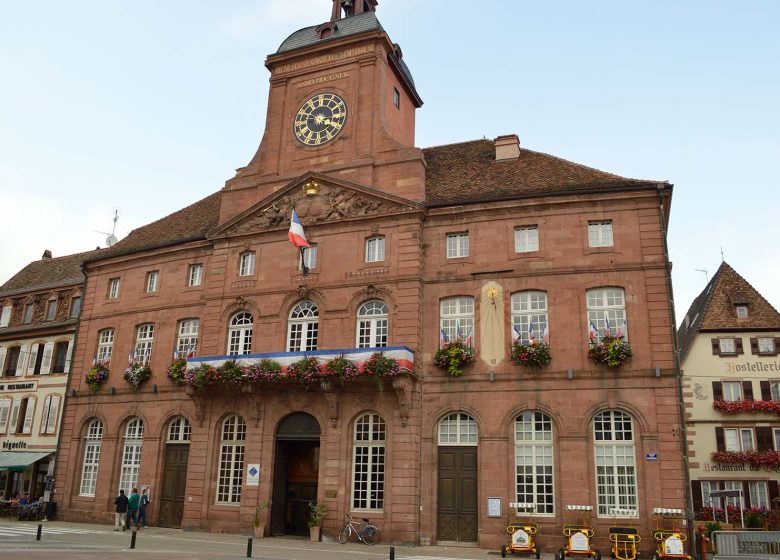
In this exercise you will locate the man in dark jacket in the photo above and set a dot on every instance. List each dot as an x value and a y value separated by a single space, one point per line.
132 509
121 502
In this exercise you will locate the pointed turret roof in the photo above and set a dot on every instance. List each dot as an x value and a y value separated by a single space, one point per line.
715 309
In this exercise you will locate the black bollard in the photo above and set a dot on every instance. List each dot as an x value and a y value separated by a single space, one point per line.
249 547
132 539
392 553
38 536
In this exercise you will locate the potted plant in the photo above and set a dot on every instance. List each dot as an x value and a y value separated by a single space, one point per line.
259 524
231 374
611 351
534 354
453 356
317 512
137 374
305 371
340 369
176 370
97 375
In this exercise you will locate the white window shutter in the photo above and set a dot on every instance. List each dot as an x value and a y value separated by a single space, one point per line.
5 316
5 410
33 357
28 415
46 365
53 409
23 355
14 416
3 352
68 357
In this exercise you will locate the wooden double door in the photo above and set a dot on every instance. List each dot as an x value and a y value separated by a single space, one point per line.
174 485
457 495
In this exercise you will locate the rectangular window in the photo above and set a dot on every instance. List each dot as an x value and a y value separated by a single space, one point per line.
375 249
600 234
776 433
28 313
5 316
308 257
12 361
75 307
739 439
5 412
457 245
195 276
742 312
607 312
113 288
105 345
396 98
246 265
526 239
51 408
131 464
759 494
615 478
368 463
152 280
766 345
456 320
60 357
727 346
143 343
774 388
90 470
51 310
187 342
26 412
36 359
14 419
732 391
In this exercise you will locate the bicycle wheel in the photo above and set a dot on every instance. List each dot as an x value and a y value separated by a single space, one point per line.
346 532
370 534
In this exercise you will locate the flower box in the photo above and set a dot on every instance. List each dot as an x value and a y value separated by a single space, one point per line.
610 351
453 357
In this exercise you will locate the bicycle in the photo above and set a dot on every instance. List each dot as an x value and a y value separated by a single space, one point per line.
366 532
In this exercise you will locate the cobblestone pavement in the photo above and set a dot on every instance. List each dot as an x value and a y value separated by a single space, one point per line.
77 541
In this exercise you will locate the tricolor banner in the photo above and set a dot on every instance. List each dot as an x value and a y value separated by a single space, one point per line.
296 235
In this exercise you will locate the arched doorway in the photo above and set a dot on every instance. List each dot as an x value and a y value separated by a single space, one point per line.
457 492
174 476
296 471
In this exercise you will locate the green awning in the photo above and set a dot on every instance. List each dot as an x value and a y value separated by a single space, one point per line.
18 461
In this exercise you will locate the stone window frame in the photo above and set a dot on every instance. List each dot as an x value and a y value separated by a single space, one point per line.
540 443
375 249
131 454
105 344
179 430
522 318
615 444
372 324
458 323
114 288
90 466
465 433
195 275
144 342
230 463
187 333
240 333
152 283
600 234
457 245
303 327
527 238
601 302
246 263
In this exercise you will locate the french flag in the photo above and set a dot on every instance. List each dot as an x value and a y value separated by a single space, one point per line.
94 361
545 335
469 338
296 235
531 337
515 333
442 338
622 330
594 333
607 328
175 354
131 358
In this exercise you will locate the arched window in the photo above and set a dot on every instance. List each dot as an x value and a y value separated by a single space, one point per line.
458 428
368 476
613 438
240 334
131 455
303 327
457 320
187 341
529 316
607 311
89 470
231 460
179 430
105 345
534 461
372 325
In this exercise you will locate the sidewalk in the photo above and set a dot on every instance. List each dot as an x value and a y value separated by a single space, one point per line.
76 541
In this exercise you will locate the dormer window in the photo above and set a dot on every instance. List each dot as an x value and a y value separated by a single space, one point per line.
742 312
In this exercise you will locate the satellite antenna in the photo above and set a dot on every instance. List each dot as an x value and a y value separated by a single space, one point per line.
706 274
111 239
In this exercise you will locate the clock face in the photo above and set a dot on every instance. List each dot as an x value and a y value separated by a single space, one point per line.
320 119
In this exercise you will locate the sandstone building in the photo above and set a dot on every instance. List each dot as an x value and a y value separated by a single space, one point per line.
729 343
482 241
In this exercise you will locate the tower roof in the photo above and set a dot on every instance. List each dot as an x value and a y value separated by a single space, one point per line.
353 25
715 309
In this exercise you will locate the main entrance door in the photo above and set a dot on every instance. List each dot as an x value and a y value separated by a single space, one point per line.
174 476
296 471
457 490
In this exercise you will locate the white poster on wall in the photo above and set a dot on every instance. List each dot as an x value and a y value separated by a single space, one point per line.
253 475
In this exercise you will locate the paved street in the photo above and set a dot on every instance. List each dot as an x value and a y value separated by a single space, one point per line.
75 541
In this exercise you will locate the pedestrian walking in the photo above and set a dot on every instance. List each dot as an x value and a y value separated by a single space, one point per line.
121 502
142 508
132 509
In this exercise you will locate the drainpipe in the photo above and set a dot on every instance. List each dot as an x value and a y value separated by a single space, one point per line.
661 187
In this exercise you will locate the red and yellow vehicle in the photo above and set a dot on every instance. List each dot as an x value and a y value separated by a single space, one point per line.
523 533
579 534
669 535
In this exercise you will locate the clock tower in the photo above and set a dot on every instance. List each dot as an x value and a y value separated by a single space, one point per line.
342 103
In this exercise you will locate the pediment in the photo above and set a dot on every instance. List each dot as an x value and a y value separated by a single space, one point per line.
336 201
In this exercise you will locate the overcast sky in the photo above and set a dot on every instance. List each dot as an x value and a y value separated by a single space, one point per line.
147 106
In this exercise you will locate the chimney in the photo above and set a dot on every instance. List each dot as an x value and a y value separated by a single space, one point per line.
507 147
46 254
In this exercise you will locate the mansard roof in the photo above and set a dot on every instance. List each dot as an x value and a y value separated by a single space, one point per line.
456 174
715 309
468 172
353 25
48 273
